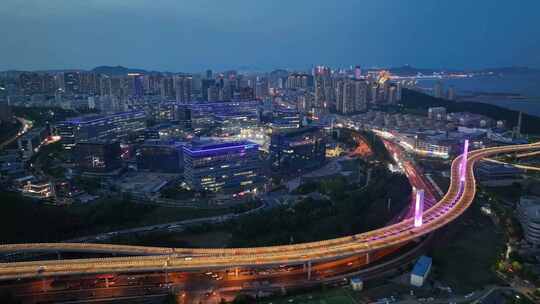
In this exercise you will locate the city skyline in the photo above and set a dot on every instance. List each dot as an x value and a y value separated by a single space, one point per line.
194 36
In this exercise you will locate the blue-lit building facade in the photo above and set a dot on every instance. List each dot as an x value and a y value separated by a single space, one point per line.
233 167
297 150
100 127
206 114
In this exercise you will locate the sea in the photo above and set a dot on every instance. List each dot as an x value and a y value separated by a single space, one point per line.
526 85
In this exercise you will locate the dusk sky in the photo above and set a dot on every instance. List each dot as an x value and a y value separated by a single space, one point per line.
180 35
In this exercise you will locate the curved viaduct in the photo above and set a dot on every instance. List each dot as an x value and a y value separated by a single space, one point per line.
458 198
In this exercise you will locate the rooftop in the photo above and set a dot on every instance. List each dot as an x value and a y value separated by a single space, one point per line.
422 266
204 148
95 118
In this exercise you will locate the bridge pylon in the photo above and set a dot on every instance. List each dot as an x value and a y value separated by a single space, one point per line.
419 208
463 165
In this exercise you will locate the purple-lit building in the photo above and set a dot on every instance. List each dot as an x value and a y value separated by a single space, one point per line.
232 167
100 127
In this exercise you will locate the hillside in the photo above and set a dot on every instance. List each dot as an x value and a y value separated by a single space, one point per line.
416 100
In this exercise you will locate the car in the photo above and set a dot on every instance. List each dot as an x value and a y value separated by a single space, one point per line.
188 258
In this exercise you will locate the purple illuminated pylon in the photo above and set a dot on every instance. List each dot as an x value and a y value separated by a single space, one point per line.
418 208
463 166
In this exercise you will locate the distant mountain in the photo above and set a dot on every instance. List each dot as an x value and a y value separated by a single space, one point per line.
116 70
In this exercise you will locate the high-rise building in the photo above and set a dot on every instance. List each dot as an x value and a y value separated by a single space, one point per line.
438 90
451 93
351 95
261 88
233 167
72 82
209 74
399 91
357 72
297 81
182 86
167 88
136 84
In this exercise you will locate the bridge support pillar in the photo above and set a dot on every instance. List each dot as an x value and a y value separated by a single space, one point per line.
419 208
463 166
309 270
368 257
106 282
58 255
236 271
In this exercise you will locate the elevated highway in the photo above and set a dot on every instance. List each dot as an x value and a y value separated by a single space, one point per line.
458 198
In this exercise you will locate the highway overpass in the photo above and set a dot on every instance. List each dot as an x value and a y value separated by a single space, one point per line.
458 198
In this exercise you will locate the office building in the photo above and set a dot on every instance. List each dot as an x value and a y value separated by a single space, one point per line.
97 157
232 167
100 127
497 175
297 150
161 156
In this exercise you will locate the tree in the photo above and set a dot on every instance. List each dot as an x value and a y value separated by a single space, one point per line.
244 299
7 297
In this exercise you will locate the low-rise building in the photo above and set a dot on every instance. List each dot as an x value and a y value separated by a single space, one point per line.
498 175
421 271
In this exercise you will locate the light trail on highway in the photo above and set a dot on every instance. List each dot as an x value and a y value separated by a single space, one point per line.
458 198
